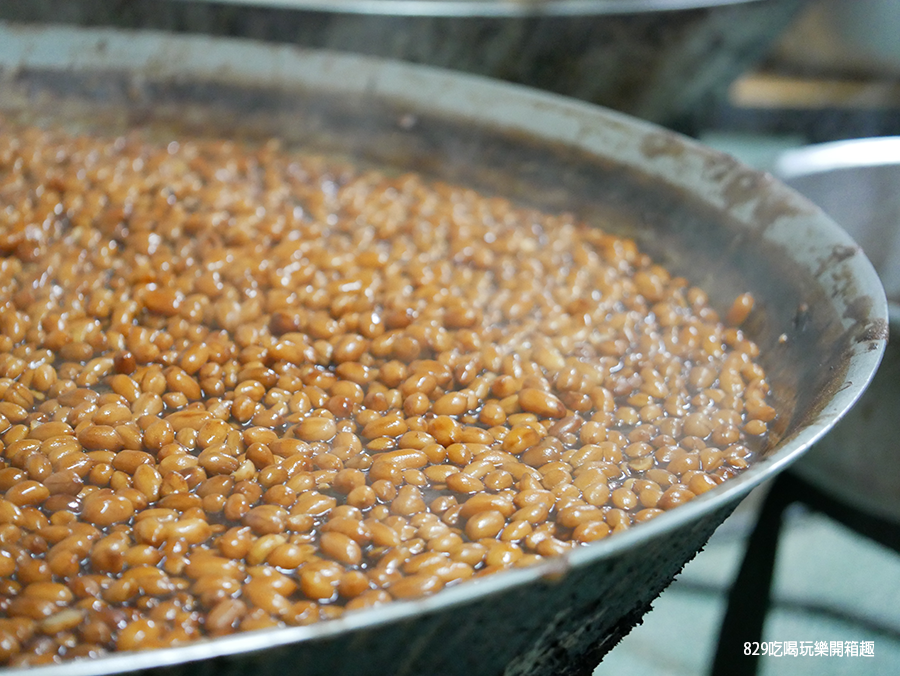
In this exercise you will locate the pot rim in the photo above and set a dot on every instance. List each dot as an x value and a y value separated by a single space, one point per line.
484 8
834 155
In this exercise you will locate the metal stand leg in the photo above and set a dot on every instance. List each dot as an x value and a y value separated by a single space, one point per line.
748 601
750 596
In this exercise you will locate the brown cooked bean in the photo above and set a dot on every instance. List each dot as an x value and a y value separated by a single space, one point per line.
189 407
341 548
129 461
316 429
700 483
415 585
590 531
674 496
575 515
100 437
502 555
624 498
484 502
319 580
266 519
485 524
27 493
408 501
362 497
541 403
459 482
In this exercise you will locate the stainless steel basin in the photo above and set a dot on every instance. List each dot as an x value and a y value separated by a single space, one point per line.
858 184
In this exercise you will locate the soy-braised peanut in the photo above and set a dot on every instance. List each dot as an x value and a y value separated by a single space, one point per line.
415 585
700 483
27 493
191 530
647 515
520 438
541 403
65 620
460 482
49 591
34 608
485 524
260 594
341 548
408 501
319 580
624 498
485 501
501 555
590 531
99 437
128 461
533 513
674 496
315 429
362 497
48 430
740 310
353 528
266 519
174 428
313 504
204 564
108 554
534 496
404 458
575 515
236 542
7 564
498 480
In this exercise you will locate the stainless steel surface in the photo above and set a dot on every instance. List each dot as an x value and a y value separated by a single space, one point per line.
820 319
657 59
858 184
484 7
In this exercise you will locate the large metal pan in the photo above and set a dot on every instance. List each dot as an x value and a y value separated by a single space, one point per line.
820 318
857 183
657 59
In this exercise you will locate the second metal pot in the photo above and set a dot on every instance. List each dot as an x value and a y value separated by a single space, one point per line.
659 60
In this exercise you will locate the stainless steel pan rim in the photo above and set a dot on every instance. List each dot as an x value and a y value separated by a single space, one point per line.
859 153
484 8
720 181
850 154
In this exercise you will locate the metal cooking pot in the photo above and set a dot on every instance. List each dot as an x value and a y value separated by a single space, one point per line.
858 184
845 39
656 59
820 317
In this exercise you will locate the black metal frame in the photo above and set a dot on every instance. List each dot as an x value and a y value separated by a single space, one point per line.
750 595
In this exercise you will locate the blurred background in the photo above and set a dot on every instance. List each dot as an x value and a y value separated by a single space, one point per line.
768 81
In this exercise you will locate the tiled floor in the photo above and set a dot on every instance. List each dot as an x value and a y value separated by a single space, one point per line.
831 584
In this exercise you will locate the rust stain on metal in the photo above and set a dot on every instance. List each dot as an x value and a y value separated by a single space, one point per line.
662 144
877 330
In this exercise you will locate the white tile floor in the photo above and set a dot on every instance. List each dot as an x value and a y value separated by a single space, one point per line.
831 584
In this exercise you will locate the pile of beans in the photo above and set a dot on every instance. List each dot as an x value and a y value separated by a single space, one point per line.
243 387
